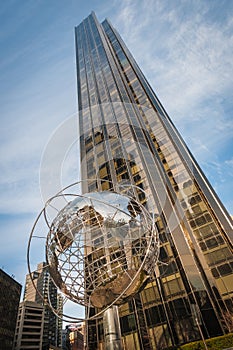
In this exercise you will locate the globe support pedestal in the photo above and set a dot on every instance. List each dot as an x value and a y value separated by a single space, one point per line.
112 331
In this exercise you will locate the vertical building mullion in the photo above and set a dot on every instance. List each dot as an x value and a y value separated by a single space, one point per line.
111 103
106 142
87 44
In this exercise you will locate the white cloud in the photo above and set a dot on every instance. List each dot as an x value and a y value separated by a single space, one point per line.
16 231
188 60
229 166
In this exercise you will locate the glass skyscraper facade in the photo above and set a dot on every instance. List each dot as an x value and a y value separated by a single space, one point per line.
126 137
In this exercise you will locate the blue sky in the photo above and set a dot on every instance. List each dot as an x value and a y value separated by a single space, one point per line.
184 48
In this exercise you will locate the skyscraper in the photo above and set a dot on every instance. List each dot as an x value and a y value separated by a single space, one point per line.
52 326
127 137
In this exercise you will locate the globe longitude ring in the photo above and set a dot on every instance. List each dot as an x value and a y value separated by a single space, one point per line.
101 247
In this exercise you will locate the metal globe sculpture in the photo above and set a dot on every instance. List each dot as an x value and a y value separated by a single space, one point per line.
101 248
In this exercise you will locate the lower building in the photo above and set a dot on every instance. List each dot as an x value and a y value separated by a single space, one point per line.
76 338
29 328
52 347
66 339
10 291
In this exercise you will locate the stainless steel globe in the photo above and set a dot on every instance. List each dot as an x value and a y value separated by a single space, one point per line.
101 248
